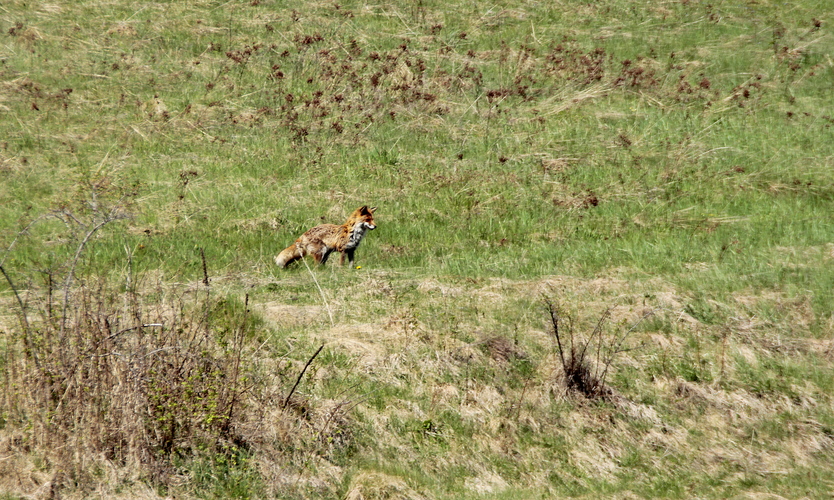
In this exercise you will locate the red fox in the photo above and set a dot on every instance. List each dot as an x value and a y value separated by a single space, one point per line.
322 240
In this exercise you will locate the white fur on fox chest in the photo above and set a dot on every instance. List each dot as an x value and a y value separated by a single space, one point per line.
357 234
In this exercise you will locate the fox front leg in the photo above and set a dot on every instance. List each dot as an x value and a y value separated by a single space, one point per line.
349 254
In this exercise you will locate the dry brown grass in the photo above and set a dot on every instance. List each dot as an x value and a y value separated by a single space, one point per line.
437 362
600 438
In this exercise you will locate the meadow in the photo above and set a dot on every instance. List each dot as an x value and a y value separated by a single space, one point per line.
603 265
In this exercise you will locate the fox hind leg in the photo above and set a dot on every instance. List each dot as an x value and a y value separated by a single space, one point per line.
321 257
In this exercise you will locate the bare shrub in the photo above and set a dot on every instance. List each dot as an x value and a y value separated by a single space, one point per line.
133 378
587 361
145 379
136 375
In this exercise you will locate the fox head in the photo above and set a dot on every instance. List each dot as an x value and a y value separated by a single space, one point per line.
364 216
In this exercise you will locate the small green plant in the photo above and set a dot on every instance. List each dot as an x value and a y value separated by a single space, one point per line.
228 472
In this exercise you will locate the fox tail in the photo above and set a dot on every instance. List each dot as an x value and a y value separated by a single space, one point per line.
288 255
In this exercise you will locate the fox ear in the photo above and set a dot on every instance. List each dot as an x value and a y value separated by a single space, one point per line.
373 209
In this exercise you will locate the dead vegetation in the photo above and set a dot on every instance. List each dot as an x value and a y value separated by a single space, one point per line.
630 390
118 378
646 383
139 382
114 383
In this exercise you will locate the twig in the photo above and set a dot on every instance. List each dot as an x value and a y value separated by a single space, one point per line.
554 318
239 334
597 332
205 267
19 233
110 217
300 375
521 399
616 348
23 320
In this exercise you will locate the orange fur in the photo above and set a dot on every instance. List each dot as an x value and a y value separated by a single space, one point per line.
322 240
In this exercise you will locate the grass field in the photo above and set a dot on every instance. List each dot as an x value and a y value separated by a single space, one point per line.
660 173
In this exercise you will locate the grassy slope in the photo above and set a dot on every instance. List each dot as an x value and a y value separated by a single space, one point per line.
675 157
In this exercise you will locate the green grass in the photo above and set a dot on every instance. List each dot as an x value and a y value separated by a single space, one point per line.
671 157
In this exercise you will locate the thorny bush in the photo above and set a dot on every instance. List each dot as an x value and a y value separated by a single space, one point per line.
132 377
136 374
